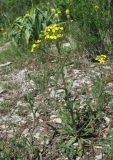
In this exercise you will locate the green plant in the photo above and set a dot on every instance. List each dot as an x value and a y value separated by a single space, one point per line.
29 98
6 106
95 21
20 148
63 4
78 125
7 10
107 146
28 27
13 54
92 23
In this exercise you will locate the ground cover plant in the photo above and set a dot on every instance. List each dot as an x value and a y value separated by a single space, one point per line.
56 89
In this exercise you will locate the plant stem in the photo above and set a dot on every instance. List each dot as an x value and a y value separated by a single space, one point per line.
69 105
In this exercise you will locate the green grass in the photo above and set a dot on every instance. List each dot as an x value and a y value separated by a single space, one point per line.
18 149
6 106
19 58
13 54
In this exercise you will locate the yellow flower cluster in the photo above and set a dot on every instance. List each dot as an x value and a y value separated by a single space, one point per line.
101 58
55 12
53 32
35 45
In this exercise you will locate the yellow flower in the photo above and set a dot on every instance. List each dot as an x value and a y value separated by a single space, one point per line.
59 12
59 35
61 28
68 16
34 46
67 11
101 58
52 33
54 25
48 29
32 50
53 10
56 15
53 30
96 7
54 37
38 41
56 28
48 36
27 14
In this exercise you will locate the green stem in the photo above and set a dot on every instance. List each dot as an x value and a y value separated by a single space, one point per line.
32 3
67 94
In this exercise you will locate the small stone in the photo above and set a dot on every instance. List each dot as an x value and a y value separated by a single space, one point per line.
75 144
17 119
47 141
40 120
37 114
52 78
37 135
10 133
19 103
66 45
32 83
98 157
107 120
32 116
52 94
57 120
53 116
1 100
98 147
75 84
3 127
59 93
26 132
5 64
2 90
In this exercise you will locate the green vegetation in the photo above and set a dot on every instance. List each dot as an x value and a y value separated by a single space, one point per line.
52 40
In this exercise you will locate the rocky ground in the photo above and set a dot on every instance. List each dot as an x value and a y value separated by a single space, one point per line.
16 114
